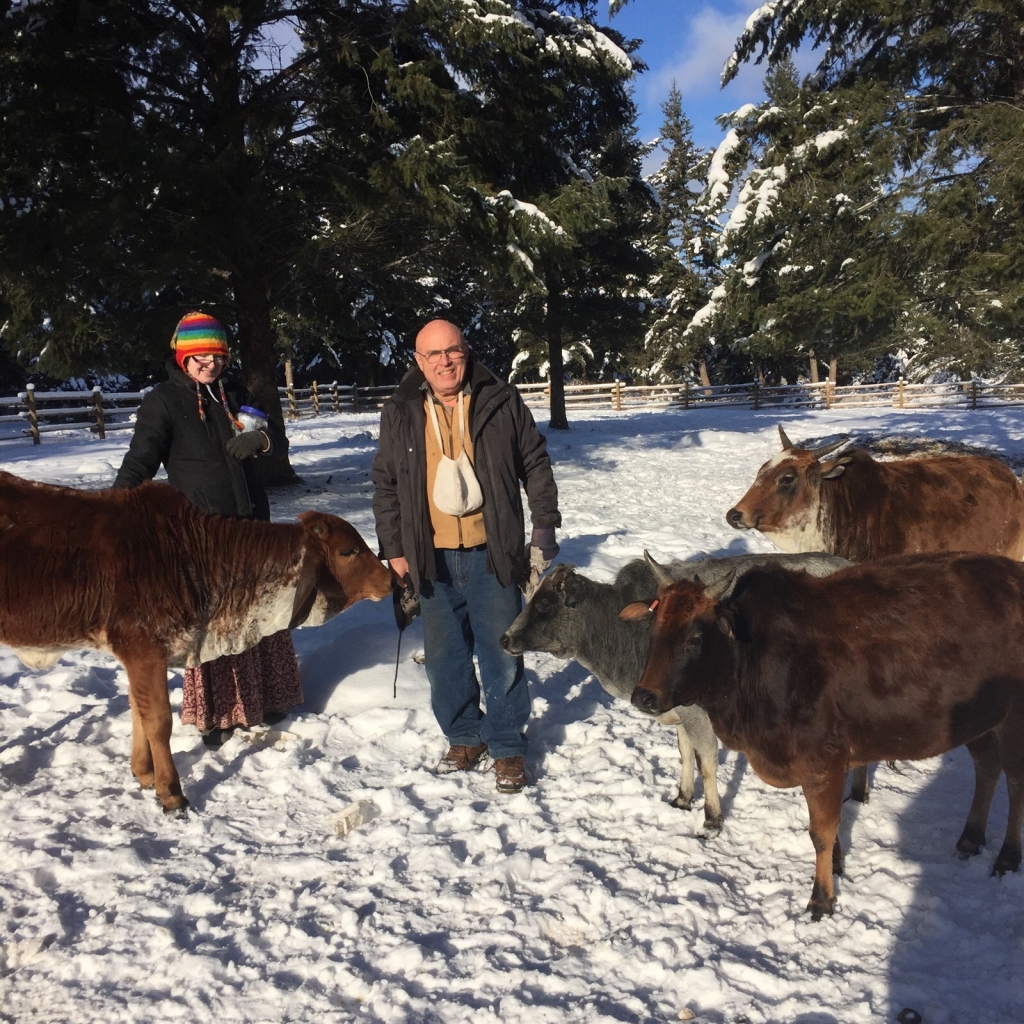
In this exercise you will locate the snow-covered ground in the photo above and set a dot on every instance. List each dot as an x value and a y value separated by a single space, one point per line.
585 898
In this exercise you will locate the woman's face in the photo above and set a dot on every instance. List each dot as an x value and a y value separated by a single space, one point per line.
206 369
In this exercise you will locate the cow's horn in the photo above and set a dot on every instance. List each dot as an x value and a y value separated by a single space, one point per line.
661 576
825 449
786 443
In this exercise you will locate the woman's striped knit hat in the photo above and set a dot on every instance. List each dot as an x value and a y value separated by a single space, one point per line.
198 334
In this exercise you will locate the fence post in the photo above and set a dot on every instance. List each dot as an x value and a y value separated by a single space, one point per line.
334 396
828 394
289 385
686 394
33 416
757 396
618 396
974 394
355 398
315 399
899 393
97 398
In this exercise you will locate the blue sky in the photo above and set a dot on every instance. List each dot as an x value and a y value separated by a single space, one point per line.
689 41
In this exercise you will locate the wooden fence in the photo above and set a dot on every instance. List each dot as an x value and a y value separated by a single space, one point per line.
101 412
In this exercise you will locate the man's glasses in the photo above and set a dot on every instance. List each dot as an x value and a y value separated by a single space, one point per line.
455 353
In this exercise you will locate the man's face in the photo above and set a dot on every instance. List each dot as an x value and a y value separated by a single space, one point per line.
441 355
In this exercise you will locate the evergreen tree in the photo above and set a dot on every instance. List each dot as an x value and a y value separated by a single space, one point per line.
683 245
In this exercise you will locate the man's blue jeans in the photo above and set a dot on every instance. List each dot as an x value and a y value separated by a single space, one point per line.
465 611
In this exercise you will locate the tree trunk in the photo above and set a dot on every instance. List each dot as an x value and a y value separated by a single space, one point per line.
556 369
259 366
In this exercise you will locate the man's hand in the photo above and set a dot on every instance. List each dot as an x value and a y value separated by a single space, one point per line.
538 566
399 566
244 446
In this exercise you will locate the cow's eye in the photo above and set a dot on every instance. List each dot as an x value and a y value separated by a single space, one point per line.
694 640
348 554
787 479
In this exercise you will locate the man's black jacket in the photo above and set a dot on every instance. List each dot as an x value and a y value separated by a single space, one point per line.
507 449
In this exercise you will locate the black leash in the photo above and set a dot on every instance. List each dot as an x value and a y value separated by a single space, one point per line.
398 655
407 607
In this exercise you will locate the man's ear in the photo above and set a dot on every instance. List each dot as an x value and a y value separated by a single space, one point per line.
635 610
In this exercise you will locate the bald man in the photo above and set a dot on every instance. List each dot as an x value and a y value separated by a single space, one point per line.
456 443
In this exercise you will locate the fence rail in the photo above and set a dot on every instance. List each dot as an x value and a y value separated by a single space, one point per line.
39 412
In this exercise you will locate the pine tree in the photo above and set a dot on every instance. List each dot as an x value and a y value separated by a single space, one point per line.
682 245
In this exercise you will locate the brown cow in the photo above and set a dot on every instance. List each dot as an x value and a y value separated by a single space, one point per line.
899 659
852 506
151 579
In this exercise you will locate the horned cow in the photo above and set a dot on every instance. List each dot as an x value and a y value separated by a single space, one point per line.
149 578
849 505
899 659
572 616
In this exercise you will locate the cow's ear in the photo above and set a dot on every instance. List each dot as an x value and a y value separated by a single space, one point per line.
835 468
314 522
726 620
635 610
571 588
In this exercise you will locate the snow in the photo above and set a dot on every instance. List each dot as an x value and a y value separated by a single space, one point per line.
325 874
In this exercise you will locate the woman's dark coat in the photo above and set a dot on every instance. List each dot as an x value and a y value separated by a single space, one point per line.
507 449
169 431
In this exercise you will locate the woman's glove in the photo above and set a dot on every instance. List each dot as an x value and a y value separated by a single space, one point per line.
244 446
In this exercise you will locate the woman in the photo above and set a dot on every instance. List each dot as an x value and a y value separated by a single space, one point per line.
189 424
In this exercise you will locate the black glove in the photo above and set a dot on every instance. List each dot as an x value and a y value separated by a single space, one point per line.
407 604
244 446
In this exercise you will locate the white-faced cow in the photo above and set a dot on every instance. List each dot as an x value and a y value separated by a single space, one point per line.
571 616
849 505
899 659
149 578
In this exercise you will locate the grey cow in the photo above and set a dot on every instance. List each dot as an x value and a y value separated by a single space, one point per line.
571 616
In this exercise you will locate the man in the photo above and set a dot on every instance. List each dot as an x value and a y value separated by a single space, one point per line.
466 568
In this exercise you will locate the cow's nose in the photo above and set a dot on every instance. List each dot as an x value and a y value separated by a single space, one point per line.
734 517
646 700
504 640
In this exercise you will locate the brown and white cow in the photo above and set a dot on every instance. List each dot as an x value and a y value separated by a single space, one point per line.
899 659
848 504
149 578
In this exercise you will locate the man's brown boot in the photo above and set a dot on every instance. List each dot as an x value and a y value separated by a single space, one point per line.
460 759
510 773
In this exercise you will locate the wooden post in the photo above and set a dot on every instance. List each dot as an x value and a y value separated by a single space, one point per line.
686 394
289 383
355 398
832 370
757 396
814 366
334 396
705 379
97 397
829 386
974 394
899 393
618 396
315 399
33 416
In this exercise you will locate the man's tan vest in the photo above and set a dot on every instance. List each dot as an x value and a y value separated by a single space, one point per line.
450 531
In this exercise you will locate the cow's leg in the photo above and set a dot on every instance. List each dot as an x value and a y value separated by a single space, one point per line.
824 799
985 754
860 788
684 797
1011 753
151 708
142 756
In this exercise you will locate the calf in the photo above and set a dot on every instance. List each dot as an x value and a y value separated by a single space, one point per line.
898 659
155 581
571 616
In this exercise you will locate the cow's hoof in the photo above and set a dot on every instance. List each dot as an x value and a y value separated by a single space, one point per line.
180 811
146 780
682 802
821 903
970 842
1008 860
712 828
